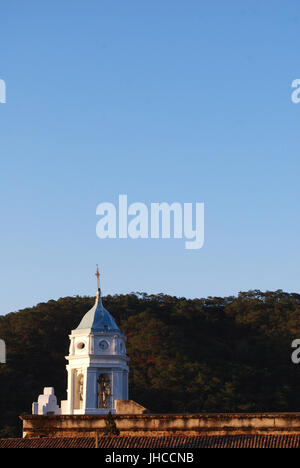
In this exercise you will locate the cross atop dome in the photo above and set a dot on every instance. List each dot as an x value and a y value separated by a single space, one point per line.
97 319
97 274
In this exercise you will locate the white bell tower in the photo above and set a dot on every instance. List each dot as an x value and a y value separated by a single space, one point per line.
97 363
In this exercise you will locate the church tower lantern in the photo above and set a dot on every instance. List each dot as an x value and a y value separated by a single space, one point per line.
97 363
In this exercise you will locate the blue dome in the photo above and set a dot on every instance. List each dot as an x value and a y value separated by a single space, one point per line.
98 319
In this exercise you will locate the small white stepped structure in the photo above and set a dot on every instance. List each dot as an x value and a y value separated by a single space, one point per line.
47 403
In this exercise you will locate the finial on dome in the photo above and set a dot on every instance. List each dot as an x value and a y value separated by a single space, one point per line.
97 274
97 319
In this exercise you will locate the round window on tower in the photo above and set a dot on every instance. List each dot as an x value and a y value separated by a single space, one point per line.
80 345
103 345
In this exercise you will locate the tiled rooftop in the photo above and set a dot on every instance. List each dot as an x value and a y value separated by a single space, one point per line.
232 441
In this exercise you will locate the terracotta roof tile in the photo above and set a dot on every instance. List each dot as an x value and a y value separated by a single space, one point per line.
232 441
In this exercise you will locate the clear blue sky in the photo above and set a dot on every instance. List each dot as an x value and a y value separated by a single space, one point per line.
163 100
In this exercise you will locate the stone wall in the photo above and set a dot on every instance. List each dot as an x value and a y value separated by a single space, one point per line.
129 407
163 424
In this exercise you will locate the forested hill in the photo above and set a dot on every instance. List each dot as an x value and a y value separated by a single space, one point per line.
203 355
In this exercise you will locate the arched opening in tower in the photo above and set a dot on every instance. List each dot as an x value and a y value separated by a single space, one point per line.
104 391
